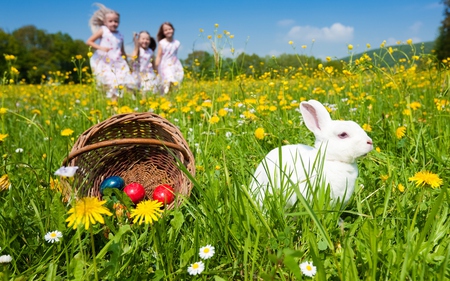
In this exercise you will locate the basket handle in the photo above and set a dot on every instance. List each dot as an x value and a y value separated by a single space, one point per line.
90 147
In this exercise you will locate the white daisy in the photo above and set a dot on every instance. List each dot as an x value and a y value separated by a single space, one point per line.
5 259
66 171
196 268
308 268
206 252
53 236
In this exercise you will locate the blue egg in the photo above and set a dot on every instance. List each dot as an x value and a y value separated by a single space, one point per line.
112 182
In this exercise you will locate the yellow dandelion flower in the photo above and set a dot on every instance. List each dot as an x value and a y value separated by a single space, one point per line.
350 47
4 182
89 54
290 42
409 41
400 132
147 212
424 177
3 137
216 25
214 119
66 132
87 211
222 112
78 57
415 105
367 128
259 133
368 46
3 110
400 187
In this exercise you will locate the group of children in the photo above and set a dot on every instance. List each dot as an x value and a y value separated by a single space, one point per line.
109 62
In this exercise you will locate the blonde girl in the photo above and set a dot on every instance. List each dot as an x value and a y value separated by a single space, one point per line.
108 61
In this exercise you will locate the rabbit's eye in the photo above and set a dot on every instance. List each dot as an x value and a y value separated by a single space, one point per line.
343 135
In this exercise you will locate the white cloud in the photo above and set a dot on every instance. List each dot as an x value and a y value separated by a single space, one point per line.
335 33
285 22
416 27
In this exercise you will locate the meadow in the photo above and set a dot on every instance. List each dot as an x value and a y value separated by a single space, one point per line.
395 227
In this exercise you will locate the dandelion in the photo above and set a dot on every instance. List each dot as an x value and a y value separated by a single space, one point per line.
3 110
146 211
5 259
367 128
196 268
401 187
3 137
409 41
400 132
87 211
259 133
66 171
66 132
4 182
53 236
425 177
206 252
350 47
308 269
89 54
214 119
290 42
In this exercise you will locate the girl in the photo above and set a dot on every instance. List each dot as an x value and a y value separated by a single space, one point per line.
142 64
168 65
108 64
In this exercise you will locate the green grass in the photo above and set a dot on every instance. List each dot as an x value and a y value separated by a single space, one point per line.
386 235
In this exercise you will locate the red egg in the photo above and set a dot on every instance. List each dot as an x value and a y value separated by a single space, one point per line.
164 193
135 191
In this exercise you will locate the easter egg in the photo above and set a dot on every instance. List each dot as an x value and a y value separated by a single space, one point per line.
164 194
112 182
135 191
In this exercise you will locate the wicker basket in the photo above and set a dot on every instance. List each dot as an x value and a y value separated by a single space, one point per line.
139 147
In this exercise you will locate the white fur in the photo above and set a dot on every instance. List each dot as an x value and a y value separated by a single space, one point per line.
340 144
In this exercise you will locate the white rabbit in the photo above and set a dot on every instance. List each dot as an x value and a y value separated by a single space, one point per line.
333 158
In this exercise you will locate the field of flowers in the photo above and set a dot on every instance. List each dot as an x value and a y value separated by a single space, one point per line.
395 227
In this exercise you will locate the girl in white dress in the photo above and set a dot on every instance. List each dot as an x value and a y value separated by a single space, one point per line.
142 62
108 61
169 66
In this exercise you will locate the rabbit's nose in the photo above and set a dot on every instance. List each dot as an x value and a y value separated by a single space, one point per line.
369 142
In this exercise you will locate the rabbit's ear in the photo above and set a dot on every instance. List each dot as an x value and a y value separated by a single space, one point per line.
315 115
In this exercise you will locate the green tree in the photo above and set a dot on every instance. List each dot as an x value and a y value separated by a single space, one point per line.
443 41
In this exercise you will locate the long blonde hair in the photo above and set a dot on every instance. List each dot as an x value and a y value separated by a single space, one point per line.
98 18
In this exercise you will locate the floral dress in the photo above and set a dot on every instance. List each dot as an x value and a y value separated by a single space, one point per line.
110 68
143 73
170 68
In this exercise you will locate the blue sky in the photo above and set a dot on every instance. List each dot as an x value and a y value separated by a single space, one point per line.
260 27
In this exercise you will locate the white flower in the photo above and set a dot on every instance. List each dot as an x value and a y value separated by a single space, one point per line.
206 252
53 236
308 268
19 150
66 171
5 259
196 268
228 135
